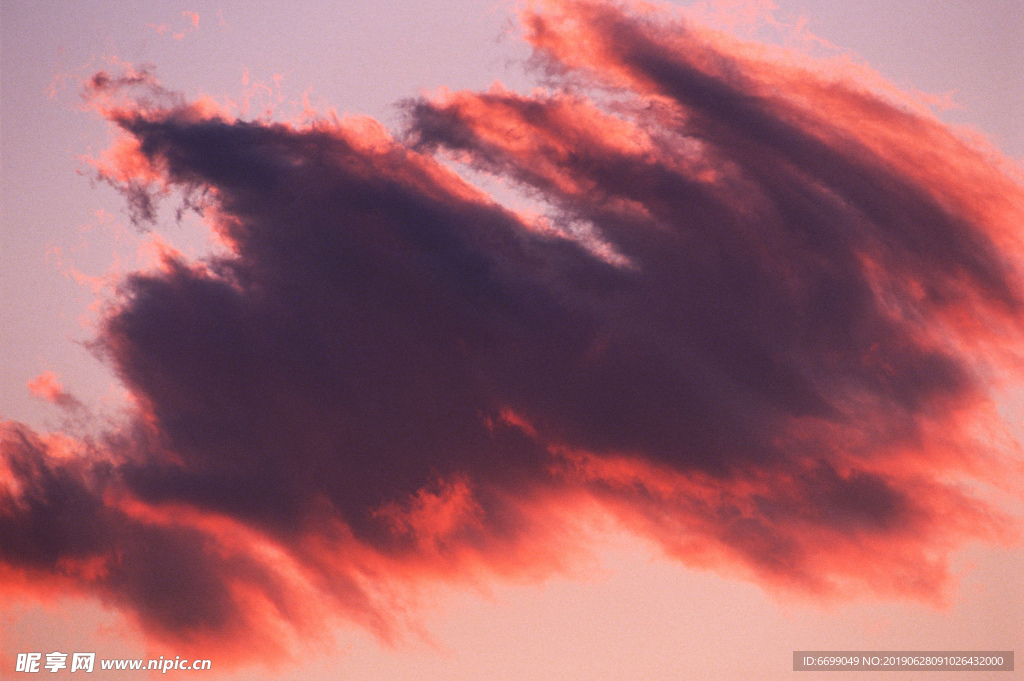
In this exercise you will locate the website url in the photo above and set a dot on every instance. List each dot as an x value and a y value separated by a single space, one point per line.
86 662
164 665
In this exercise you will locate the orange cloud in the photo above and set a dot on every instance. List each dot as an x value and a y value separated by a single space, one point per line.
47 387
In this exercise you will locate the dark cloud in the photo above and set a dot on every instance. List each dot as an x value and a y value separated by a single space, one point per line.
759 324
59 523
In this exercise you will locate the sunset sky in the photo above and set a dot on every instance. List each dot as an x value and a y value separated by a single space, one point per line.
554 340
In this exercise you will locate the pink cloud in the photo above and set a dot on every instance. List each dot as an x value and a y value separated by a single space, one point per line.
47 387
771 349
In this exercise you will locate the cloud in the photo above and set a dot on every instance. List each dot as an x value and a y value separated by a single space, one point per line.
47 386
761 323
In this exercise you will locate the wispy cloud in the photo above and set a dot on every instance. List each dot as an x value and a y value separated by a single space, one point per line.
771 347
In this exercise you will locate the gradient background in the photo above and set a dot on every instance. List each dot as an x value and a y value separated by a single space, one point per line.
626 614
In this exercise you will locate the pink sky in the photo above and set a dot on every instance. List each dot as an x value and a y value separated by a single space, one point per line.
557 515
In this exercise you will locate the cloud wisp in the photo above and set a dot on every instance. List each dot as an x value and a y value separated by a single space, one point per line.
761 324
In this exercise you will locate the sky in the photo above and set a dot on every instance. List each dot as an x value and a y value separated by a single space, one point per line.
562 340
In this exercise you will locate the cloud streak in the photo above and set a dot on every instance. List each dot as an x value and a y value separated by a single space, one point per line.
760 323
